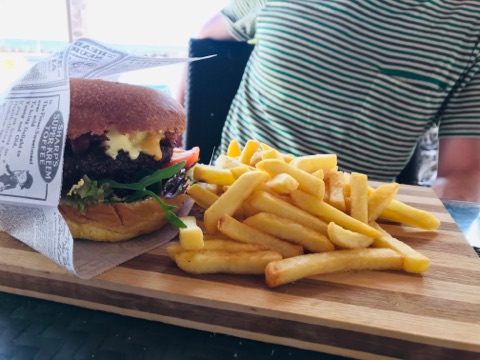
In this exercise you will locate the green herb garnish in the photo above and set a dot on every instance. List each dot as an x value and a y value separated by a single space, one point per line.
87 191
140 189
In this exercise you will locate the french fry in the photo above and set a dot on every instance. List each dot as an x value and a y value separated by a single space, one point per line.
264 208
346 189
191 237
311 163
250 148
268 189
217 244
216 236
201 196
414 262
359 197
347 205
291 231
320 173
288 157
257 156
231 245
283 183
240 170
272 154
400 212
227 162
328 213
239 231
267 147
248 209
212 175
334 169
347 239
263 201
173 249
289 270
306 181
379 199
326 194
234 149
216 189
215 261
231 200
335 183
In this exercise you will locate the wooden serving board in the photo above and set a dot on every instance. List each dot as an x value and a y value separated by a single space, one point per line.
357 314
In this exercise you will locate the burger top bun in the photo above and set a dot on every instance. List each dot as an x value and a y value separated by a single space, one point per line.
99 105
117 222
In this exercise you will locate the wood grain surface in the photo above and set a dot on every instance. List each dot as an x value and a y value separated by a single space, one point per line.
367 314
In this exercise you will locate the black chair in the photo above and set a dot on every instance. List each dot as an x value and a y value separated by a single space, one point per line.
211 86
422 167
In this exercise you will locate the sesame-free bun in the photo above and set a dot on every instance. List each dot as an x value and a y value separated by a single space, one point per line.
117 222
99 105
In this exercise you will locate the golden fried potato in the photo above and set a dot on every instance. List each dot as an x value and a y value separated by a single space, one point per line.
328 213
230 201
202 196
217 261
347 239
239 231
286 271
263 201
306 181
379 199
359 197
291 231
212 175
414 262
191 237
312 163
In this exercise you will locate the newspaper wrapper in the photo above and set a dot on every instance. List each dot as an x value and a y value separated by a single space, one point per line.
34 118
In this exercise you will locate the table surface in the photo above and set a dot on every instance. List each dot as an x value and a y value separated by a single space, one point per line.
34 328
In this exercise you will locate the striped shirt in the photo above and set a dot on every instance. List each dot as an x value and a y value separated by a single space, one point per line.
364 79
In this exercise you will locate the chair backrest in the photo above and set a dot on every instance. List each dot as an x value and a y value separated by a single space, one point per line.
211 86
423 165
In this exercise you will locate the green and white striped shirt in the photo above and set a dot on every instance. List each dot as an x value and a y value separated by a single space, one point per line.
360 78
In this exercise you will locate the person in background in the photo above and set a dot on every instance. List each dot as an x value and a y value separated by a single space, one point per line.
362 79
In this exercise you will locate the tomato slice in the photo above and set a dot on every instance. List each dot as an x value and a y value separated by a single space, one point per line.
190 156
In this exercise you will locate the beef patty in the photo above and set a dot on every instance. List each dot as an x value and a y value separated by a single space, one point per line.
86 156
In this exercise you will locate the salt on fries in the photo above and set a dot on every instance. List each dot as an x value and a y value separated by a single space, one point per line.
290 217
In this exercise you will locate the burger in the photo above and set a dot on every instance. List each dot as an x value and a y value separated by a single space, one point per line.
123 175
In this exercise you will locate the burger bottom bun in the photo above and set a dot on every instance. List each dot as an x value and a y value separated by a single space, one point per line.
117 222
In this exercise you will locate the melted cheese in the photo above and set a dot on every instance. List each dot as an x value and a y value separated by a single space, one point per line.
133 144
75 187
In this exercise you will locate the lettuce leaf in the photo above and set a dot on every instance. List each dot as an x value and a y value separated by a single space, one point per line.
89 191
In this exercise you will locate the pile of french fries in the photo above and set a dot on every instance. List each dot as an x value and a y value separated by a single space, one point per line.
288 218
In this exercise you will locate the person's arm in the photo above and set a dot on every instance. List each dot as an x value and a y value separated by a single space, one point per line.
216 28
458 169
236 21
